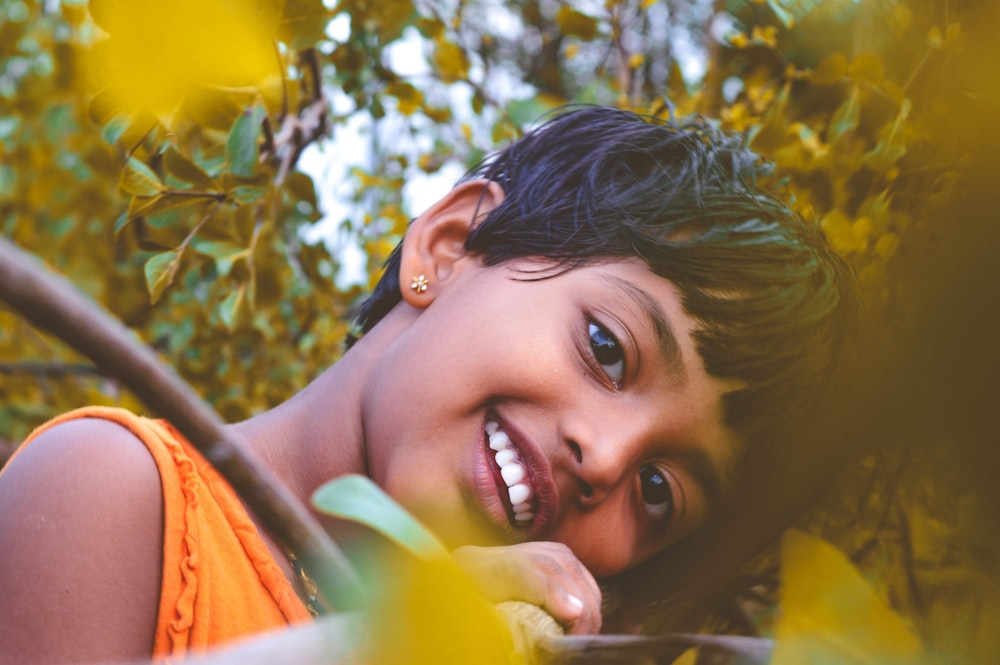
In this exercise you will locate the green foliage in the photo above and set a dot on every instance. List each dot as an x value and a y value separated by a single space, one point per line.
358 499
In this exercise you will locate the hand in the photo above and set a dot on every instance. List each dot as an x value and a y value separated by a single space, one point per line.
546 574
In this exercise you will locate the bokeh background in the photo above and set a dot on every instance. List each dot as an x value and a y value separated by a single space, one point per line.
227 178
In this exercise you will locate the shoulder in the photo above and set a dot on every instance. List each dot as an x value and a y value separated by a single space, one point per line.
80 546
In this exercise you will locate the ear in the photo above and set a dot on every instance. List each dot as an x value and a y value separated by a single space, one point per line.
434 245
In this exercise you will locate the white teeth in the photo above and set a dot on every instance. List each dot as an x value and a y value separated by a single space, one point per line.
499 440
504 458
519 493
512 473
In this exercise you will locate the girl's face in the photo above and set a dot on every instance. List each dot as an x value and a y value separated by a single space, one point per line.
605 414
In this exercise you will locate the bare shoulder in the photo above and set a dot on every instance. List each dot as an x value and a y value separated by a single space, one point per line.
81 520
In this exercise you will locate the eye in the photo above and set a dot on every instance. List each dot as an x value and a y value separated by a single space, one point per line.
608 353
656 494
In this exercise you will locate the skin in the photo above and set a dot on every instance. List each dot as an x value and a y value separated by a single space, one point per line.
572 366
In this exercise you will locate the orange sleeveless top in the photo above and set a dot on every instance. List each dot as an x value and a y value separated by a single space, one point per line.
219 581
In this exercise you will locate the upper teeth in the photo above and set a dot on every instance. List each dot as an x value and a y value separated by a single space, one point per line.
512 472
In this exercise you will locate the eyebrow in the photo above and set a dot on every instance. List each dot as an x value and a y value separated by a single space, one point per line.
699 463
670 350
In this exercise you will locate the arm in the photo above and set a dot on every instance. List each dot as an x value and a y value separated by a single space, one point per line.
80 547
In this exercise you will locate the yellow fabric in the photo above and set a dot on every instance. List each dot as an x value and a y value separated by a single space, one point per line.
219 581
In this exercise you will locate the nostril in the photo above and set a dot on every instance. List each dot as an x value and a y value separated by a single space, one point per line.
586 489
575 449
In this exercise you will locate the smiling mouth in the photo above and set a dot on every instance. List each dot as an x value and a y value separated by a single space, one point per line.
521 498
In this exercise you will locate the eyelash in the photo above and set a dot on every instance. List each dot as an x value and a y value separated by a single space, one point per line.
607 342
666 507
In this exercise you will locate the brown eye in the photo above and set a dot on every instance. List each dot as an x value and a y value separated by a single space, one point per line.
656 493
608 353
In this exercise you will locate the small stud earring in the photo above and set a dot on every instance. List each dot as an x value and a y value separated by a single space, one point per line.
419 283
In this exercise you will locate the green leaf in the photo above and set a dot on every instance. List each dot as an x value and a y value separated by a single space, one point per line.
139 180
524 112
114 128
160 272
248 193
241 146
358 499
783 15
892 143
186 170
122 222
229 308
846 117
225 254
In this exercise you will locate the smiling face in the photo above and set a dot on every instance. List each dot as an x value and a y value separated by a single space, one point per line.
573 408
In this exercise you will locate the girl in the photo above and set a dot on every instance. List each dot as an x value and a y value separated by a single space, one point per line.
559 373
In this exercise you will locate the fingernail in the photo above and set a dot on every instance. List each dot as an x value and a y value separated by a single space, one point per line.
575 602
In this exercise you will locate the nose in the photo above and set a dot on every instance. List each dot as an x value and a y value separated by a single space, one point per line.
603 451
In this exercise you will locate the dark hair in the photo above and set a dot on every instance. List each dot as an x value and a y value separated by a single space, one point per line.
772 301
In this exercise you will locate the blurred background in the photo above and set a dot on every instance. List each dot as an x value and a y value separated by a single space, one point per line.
228 176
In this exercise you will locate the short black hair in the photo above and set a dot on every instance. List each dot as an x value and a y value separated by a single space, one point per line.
773 304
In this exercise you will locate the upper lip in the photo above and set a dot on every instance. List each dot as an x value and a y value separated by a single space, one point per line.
539 471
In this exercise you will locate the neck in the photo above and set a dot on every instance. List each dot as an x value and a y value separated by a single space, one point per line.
318 434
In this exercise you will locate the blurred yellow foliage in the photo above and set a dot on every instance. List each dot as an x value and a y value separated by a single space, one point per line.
158 51
830 615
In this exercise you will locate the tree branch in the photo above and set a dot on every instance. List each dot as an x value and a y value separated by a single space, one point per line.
54 305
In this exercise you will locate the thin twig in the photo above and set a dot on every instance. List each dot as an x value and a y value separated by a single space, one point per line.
49 369
52 304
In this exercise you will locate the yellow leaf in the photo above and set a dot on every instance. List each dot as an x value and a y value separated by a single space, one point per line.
139 179
830 614
160 271
577 24
739 40
159 51
432 615
451 61
410 99
635 60
767 36
689 657
934 37
868 68
571 51
830 70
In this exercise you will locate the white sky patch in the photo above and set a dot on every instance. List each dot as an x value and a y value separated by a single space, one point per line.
406 55
339 28
328 163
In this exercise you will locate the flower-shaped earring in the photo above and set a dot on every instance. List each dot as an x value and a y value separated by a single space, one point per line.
419 283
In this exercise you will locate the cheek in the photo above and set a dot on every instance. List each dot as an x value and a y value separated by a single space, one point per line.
602 539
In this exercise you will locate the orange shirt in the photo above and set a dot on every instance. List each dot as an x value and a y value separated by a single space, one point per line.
219 581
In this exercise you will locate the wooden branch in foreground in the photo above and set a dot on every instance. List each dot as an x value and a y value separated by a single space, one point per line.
54 305
624 649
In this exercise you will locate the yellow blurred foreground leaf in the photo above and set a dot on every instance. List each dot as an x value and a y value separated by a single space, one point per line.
158 51
830 615
434 616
